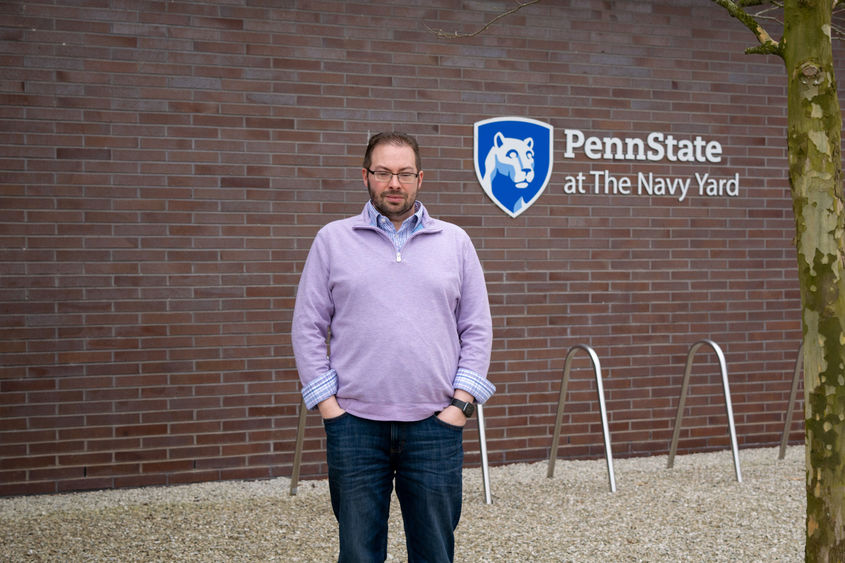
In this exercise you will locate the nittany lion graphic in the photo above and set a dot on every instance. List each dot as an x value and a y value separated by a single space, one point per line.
513 158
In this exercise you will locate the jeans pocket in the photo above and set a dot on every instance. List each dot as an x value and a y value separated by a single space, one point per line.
335 419
447 425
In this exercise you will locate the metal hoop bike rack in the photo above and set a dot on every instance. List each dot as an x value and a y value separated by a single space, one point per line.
600 390
297 456
675 435
799 363
482 438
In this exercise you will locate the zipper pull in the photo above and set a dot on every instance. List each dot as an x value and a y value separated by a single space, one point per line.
398 256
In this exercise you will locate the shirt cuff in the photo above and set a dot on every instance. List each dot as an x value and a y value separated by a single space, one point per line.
320 389
477 386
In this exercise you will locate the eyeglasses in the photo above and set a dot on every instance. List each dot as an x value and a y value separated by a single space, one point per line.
385 176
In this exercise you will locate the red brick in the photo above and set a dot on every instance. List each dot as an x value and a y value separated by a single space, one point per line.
165 210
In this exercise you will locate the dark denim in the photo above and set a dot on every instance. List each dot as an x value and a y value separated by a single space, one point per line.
424 458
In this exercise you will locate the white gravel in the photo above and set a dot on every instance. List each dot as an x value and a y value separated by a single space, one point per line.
696 511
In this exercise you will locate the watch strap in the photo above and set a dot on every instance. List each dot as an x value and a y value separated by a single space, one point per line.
467 408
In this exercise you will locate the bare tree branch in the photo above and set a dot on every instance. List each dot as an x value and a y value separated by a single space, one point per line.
767 45
455 35
837 29
773 7
770 11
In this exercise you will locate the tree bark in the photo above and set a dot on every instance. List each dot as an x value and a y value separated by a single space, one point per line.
813 136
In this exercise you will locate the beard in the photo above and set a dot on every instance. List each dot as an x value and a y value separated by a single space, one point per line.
389 209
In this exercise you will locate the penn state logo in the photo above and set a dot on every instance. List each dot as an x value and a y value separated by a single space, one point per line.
513 160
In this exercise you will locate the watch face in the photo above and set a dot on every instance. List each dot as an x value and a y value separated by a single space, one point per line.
469 409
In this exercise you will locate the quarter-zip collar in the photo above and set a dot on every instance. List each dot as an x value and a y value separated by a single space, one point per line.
385 224
425 224
370 217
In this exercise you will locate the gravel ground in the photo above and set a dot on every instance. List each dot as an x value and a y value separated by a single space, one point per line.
695 511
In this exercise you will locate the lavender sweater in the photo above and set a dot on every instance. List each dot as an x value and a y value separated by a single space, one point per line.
406 330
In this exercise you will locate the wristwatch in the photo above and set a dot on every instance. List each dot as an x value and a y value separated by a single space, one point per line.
467 408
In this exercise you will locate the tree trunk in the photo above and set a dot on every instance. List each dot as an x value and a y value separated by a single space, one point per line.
814 125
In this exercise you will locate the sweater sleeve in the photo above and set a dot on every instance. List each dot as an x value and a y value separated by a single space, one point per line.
312 317
475 329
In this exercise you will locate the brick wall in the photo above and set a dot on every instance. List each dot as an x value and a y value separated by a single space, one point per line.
165 165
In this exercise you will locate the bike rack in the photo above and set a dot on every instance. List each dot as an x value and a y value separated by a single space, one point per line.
482 441
482 438
799 363
297 456
600 390
675 435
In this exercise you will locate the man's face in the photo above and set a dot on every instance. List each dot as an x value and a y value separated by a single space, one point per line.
393 199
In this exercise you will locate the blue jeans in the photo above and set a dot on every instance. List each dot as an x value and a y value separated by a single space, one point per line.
424 458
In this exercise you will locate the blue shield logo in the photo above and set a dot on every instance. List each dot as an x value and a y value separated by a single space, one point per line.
513 160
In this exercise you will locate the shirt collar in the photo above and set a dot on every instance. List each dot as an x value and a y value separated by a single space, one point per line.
415 219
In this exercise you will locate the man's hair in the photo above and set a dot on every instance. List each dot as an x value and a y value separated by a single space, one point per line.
395 138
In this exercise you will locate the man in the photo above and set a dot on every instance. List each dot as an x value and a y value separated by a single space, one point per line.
404 299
